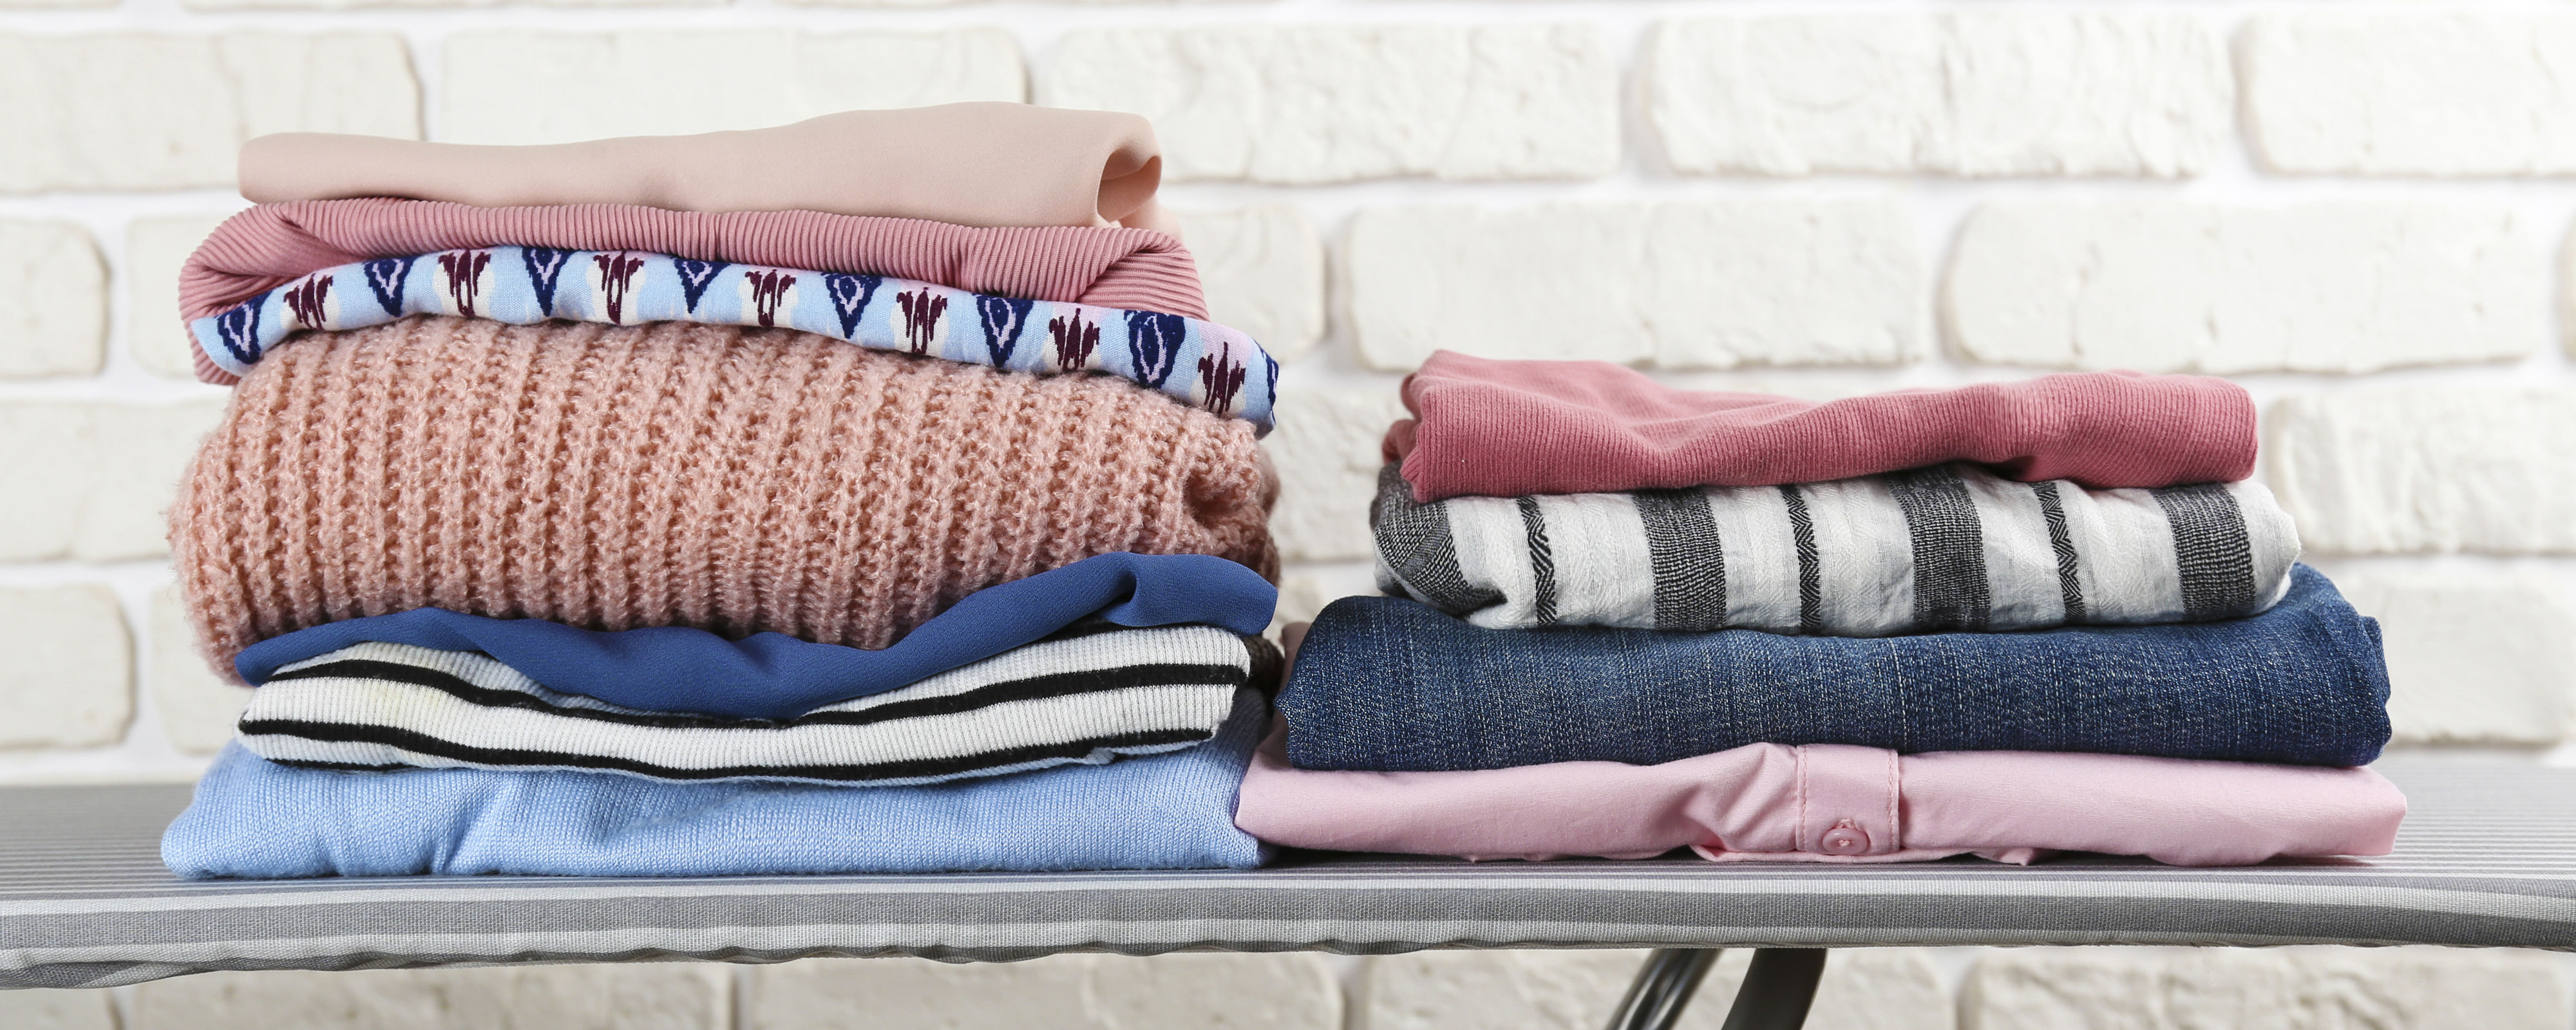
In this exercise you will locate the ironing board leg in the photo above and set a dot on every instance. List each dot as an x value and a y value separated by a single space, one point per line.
1777 989
1663 986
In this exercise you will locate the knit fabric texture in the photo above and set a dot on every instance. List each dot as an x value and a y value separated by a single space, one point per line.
735 480
273 245
1510 428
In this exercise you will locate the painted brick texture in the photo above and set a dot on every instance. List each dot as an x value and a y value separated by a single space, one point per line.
1263 269
66 668
90 480
139 112
2021 93
53 301
623 997
1318 104
1684 285
628 83
2387 471
155 248
2428 91
2172 286
2473 658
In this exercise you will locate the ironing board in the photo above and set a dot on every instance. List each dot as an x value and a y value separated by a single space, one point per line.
2487 857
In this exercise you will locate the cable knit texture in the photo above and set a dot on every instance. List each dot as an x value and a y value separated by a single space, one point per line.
736 480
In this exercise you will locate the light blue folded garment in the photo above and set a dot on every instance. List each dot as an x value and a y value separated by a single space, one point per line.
255 818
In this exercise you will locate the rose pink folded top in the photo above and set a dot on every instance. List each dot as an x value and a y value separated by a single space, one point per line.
1833 803
272 245
1511 428
972 164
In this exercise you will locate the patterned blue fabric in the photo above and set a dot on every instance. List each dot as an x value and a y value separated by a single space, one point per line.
255 818
776 676
1201 363
1387 684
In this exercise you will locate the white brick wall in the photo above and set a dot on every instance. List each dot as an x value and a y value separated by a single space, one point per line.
57 1010
155 248
2298 988
625 997
1682 285
2412 92
1314 104
1263 269
2473 658
161 111
2173 286
2022 93
91 480
658 83
1327 450
53 301
66 668
2362 213
2431 469
197 705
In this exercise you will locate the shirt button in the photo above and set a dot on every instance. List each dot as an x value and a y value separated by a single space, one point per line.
1845 839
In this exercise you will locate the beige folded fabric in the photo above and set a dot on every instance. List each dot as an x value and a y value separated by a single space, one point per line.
989 164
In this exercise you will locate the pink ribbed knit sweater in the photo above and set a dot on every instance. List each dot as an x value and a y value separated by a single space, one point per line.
738 480
1497 428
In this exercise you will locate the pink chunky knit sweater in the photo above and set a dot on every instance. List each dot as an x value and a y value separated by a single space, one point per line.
737 480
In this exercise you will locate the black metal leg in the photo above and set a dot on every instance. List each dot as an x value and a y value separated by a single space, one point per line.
1663 986
1777 990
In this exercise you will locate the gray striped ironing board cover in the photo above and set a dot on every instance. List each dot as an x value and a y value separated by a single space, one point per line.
2487 857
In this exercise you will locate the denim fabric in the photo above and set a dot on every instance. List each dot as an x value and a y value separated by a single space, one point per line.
1392 685
776 676
255 818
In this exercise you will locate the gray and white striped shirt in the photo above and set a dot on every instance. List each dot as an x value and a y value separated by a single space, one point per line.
1944 548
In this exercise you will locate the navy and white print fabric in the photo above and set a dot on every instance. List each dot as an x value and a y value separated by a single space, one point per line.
1197 362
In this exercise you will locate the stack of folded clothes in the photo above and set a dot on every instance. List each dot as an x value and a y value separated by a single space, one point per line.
869 494
2006 620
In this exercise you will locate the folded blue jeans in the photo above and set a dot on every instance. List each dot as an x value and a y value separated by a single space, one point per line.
1383 684
776 676
256 818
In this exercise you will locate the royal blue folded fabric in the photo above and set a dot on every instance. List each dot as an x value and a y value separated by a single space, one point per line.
776 676
1392 685
255 818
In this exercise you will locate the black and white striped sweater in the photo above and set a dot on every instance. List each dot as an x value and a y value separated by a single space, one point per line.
1079 697
1950 547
